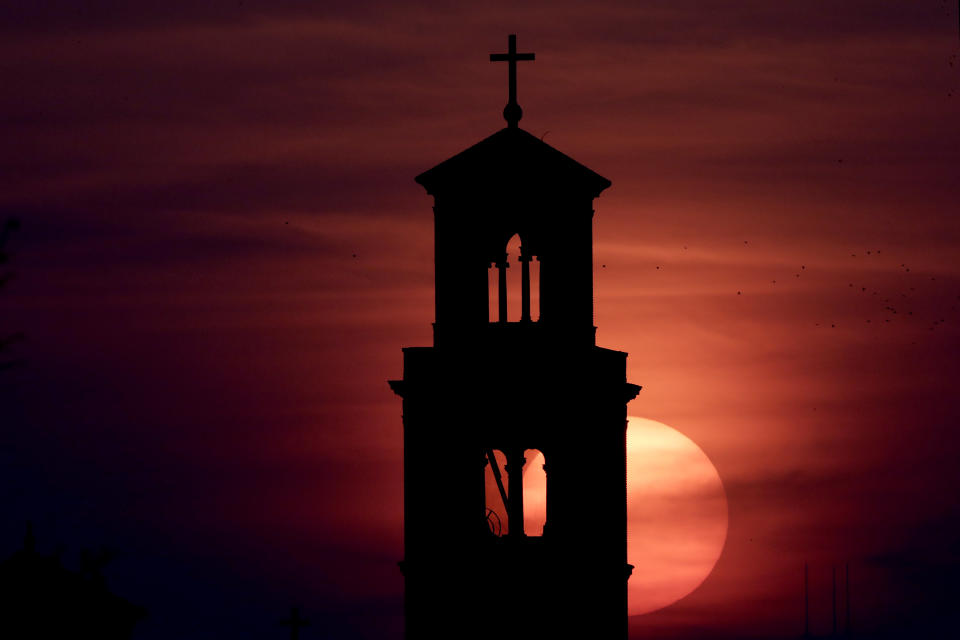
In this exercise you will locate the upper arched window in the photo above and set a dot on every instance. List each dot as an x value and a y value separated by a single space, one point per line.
513 285
514 280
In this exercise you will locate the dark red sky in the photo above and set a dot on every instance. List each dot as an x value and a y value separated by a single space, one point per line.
205 363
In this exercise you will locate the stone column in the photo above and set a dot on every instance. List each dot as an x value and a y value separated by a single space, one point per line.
525 287
502 288
515 462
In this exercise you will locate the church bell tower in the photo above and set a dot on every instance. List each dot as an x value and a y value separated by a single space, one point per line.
528 387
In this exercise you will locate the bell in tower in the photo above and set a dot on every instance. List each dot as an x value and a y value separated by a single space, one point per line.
525 387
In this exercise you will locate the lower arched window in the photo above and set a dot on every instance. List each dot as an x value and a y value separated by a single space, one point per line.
534 493
495 488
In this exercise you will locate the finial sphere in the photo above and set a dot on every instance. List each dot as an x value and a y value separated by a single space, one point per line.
512 114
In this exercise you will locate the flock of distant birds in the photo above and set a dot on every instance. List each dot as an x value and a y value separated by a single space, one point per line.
888 309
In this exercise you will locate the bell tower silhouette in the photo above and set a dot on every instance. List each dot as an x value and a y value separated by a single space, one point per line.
536 384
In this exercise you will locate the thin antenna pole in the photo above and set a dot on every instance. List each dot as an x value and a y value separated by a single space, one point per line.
847 585
806 600
834 601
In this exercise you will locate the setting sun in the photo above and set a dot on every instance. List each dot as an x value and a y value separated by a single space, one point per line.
677 512
677 515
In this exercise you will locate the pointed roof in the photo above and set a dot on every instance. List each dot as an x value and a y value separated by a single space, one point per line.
512 159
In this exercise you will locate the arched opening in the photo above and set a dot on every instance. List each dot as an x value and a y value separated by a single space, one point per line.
514 280
495 491
534 493
513 285
493 293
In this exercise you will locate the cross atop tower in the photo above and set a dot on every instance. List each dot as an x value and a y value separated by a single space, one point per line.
512 112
